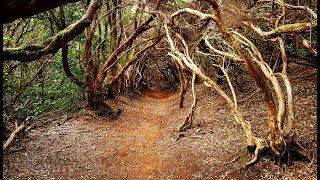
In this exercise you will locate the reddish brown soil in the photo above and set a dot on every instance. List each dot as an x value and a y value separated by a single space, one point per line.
141 144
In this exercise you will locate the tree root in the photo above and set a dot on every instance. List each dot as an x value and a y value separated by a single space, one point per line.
293 152
260 145
180 135
247 153
250 152
103 110
186 125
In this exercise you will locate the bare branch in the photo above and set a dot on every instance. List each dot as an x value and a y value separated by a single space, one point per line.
287 28
52 45
228 55
113 56
13 135
201 15
64 53
289 6
133 59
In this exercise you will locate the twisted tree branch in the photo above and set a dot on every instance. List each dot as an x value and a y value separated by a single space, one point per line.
36 51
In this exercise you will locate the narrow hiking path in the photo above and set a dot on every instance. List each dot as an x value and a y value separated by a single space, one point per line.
141 144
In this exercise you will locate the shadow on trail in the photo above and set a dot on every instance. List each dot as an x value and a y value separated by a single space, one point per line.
158 94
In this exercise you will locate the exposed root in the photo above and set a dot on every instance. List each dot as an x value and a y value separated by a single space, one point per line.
235 159
180 135
253 152
116 113
293 152
186 125
242 156
103 110
260 145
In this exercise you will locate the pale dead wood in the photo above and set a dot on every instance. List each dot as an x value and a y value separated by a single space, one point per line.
13 135
260 71
225 54
256 73
230 85
277 126
300 41
184 81
287 28
283 75
251 140
245 99
289 6
201 15
283 109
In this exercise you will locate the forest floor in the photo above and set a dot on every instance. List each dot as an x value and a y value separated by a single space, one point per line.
141 143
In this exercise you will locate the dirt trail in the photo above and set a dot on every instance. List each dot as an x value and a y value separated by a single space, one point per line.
148 147
141 144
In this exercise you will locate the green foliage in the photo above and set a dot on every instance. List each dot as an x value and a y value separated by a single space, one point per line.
124 59
263 26
7 38
51 91
304 52
75 14
257 42
294 49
